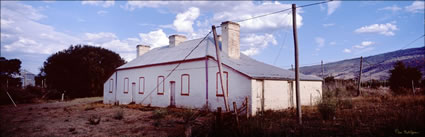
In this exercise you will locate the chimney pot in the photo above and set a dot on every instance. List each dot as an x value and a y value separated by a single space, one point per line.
230 32
142 49
175 40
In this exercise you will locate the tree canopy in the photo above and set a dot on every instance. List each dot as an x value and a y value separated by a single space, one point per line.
401 77
80 71
8 68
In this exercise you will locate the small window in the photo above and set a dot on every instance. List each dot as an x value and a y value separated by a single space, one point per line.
125 85
111 85
141 85
160 85
185 87
219 91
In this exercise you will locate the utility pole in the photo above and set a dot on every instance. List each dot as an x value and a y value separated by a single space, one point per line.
297 79
413 88
360 77
217 51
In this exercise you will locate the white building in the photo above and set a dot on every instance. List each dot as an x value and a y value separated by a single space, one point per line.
27 78
195 82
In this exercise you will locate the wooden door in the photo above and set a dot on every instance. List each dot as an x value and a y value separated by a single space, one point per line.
172 93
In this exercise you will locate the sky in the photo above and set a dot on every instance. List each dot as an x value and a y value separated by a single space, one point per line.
33 30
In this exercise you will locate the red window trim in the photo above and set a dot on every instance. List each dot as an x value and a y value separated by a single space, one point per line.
163 85
143 90
216 85
128 82
188 85
111 85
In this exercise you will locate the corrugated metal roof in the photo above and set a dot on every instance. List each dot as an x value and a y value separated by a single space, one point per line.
245 64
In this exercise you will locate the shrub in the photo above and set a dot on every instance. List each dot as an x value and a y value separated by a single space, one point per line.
189 115
119 115
94 120
327 108
159 113
345 103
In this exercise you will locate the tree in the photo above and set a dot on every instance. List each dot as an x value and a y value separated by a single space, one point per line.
8 69
80 71
401 78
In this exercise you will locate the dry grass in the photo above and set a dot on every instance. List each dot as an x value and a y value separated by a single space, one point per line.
368 116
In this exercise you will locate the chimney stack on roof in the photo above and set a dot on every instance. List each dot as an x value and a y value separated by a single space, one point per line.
142 49
230 35
175 40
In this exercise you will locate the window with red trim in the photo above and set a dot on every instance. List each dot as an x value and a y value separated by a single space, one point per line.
219 92
160 84
133 87
141 85
125 85
185 87
111 85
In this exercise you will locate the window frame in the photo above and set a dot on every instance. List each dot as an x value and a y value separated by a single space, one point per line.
227 84
142 91
111 85
188 85
163 85
128 82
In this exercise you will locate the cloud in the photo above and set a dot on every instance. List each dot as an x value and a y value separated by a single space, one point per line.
103 3
363 44
383 29
251 51
154 38
393 8
102 12
328 25
320 41
248 10
346 51
253 43
332 6
132 5
416 7
185 20
332 43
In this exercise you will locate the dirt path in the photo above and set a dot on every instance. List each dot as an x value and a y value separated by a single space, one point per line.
71 118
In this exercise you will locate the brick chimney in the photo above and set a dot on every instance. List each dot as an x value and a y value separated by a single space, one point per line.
230 39
142 49
175 40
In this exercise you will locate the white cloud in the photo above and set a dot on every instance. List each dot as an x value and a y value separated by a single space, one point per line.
154 38
103 3
320 41
132 5
253 43
346 51
22 34
363 44
416 7
332 6
332 43
251 51
384 29
269 23
393 8
102 12
184 21
328 25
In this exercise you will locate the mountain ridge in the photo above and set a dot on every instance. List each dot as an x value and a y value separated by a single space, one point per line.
374 67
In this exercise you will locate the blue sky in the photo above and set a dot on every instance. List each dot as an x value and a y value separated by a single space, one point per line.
32 31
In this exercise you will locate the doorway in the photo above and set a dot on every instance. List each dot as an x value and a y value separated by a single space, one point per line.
172 93
260 95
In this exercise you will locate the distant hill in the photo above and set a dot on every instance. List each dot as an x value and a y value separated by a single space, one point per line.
374 67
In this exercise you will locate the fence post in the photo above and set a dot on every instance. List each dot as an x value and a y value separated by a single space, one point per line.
235 108
247 107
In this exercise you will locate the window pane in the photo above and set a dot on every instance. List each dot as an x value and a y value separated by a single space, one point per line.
160 84
141 85
185 84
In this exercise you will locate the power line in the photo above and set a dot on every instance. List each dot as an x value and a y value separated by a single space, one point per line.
271 13
410 43
168 75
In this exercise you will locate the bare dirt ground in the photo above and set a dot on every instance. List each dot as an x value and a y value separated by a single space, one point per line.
71 118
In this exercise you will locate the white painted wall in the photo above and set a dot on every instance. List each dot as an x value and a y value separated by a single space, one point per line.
239 85
277 94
